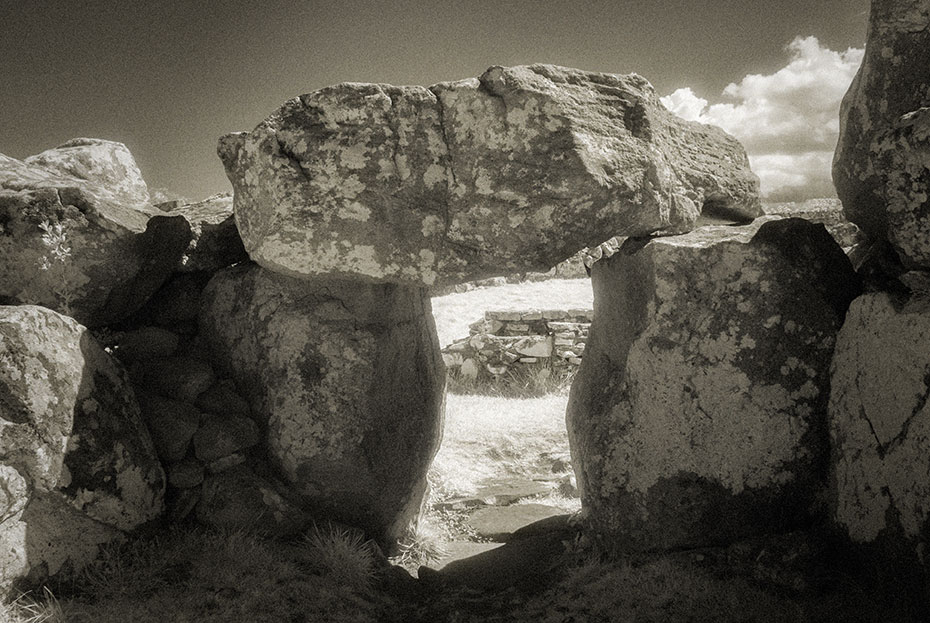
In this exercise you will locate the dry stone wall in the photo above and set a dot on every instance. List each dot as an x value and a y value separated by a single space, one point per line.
507 343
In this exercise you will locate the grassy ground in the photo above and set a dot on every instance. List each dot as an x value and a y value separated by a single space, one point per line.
454 312
487 437
193 575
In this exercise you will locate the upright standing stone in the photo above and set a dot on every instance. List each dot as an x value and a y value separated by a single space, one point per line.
510 172
698 415
880 431
348 381
880 167
77 466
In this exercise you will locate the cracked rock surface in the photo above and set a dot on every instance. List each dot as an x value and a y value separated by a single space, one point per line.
880 167
698 415
77 465
510 172
78 235
347 381
880 420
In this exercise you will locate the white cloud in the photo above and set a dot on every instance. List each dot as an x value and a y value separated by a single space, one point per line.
788 121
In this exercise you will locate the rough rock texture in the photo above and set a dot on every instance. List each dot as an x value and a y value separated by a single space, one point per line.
240 499
512 346
349 380
77 466
77 234
510 172
104 163
880 423
905 161
880 165
827 211
699 412
216 243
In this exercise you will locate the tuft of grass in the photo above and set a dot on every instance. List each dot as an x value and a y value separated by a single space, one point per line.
343 555
196 574
523 381
28 608
424 545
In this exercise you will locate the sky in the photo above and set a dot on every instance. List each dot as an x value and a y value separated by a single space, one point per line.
167 78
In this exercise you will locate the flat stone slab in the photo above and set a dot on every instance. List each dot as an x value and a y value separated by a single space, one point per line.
513 171
498 523
459 550
512 564
498 493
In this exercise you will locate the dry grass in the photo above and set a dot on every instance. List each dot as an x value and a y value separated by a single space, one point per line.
213 577
455 312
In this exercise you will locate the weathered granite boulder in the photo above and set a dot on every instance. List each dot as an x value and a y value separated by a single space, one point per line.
107 164
77 234
215 242
877 167
905 160
77 466
698 415
880 428
348 380
507 173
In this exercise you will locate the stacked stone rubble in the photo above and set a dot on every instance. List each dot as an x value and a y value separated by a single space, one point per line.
512 342
205 432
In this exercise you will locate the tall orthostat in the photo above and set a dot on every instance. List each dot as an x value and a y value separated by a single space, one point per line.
880 166
698 416
354 199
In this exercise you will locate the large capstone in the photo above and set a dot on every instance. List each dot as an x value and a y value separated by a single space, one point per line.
77 466
347 381
698 415
880 427
880 166
507 173
77 234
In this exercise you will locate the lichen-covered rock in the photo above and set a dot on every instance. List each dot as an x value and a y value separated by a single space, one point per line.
698 415
510 172
904 155
77 234
215 243
348 378
880 424
883 132
105 163
77 466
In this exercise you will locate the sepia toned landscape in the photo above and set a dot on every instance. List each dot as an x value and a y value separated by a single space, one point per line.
542 344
